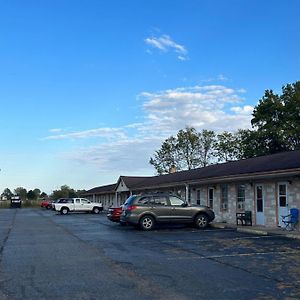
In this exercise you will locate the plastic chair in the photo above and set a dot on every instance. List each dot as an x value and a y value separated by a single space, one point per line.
291 221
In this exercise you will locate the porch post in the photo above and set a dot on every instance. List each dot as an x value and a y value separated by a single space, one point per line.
187 193
116 200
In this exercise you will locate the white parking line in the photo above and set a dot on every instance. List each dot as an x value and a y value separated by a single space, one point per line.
232 255
207 240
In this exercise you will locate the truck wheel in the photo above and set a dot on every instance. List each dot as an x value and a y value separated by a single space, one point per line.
146 223
64 211
201 221
96 210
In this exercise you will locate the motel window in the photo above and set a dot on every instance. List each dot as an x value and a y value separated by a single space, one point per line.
211 197
224 197
241 197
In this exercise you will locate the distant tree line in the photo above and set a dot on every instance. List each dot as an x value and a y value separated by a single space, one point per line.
64 192
275 128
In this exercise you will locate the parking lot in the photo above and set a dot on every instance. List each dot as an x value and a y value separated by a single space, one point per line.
44 255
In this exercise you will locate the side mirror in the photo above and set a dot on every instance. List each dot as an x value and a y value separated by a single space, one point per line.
184 204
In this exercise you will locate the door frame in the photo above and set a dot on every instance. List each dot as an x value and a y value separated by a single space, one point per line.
260 216
280 210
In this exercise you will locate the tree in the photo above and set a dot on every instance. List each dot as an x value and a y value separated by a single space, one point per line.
43 195
21 192
37 192
291 99
188 150
207 140
276 120
166 157
64 192
31 195
227 146
7 194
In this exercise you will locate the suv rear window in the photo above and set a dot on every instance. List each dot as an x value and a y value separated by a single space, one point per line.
130 200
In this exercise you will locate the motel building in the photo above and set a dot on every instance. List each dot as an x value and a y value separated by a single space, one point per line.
268 186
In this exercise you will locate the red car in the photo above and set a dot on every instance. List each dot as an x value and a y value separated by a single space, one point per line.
114 214
46 204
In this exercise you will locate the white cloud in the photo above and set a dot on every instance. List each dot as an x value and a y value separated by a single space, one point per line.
165 44
108 133
127 150
245 110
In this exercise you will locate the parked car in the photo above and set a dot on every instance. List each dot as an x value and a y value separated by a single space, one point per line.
146 210
114 214
77 205
46 204
60 200
15 202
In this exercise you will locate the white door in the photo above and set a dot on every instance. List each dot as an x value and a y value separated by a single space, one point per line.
260 215
283 204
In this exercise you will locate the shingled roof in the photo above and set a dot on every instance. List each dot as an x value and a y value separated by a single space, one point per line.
110 188
284 161
132 181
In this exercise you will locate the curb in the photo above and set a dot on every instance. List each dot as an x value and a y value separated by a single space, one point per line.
255 231
218 225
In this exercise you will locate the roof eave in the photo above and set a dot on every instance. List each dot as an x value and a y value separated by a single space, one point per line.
239 177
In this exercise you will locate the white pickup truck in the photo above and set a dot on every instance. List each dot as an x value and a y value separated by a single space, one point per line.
67 205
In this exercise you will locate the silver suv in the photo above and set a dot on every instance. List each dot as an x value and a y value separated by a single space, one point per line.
148 209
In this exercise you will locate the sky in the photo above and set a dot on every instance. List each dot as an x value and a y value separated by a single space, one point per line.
90 89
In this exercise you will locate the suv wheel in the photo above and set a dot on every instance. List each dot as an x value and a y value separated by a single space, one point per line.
201 221
146 223
96 210
64 211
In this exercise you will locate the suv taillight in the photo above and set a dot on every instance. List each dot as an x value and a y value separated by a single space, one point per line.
131 207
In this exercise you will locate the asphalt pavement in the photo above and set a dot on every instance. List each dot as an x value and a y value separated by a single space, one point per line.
44 255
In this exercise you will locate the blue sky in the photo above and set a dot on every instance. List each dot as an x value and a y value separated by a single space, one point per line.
90 89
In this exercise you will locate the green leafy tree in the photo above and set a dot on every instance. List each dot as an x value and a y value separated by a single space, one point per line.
37 192
267 119
227 146
43 195
276 120
7 194
21 192
189 149
64 192
291 112
166 157
31 195
207 141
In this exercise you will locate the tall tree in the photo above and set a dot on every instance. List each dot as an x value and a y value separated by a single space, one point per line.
207 140
21 192
64 192
189 149
227 146
7 193
276 119
166 157
31 195
291 125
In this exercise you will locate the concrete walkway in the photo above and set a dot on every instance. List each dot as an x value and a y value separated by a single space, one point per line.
262 230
